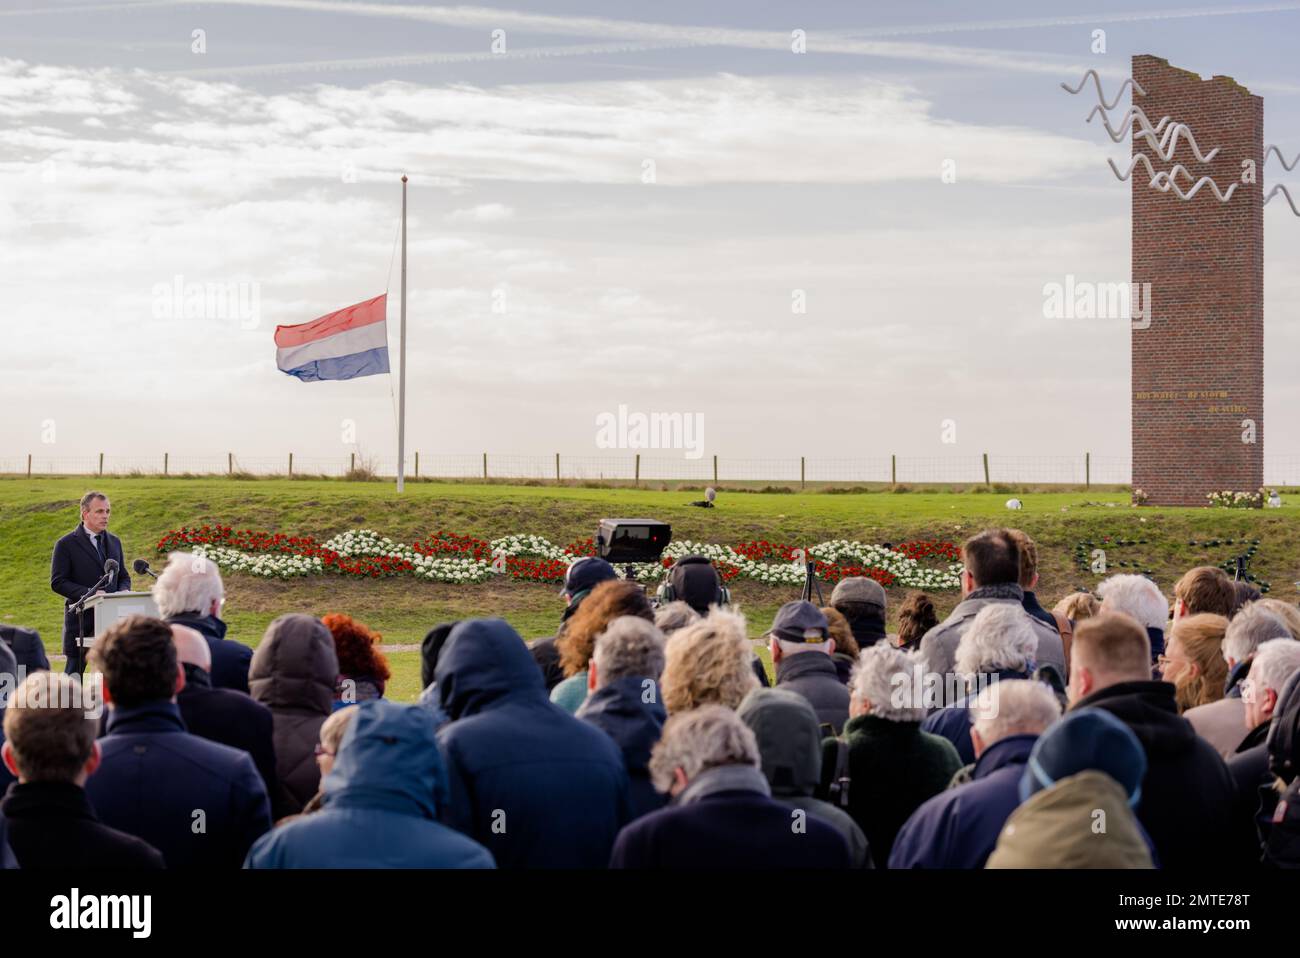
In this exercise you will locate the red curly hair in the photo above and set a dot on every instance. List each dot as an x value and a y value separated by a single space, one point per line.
357 646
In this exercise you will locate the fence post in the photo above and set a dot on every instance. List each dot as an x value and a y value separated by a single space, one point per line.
557 467
230 463
101 463
1087 470
485 465
352 462
290 465
893 469
986 469
165 457
417 464
715 467
637 474
802 471
29 465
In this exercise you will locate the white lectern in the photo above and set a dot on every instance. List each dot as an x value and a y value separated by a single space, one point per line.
111 606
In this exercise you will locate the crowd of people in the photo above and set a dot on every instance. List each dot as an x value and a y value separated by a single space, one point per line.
1120 729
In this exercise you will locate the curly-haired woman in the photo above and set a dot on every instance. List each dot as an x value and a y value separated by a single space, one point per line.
608 601
363 669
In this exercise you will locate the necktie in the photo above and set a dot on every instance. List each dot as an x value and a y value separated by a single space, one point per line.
99 545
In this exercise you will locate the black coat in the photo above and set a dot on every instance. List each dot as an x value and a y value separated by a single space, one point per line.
74 568
814 676
230 659
1189 804
226 716
730 829
1282 850
26 646
51 825
1250 773
199 803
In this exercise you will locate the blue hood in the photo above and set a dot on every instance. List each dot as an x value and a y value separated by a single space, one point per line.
388 759
619 710
483 661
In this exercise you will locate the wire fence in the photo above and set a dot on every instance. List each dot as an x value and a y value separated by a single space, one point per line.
1082 470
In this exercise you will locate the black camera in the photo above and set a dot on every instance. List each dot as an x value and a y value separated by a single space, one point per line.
632 540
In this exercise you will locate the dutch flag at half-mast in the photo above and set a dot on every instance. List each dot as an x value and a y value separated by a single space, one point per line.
342 345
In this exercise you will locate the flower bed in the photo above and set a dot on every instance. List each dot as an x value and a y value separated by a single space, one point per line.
450 557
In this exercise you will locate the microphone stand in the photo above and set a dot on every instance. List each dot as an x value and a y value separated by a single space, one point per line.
80 607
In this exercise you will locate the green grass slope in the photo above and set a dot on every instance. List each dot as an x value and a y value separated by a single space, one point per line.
35 512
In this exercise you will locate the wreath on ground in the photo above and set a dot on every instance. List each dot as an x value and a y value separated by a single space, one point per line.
451 557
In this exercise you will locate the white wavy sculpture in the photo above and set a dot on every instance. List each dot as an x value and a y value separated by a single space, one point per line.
1164 182
1281 159
1134 113
1283 190
1101 97
1167 145
1137 158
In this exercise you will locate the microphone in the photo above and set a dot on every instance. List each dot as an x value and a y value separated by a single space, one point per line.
111 567
140 567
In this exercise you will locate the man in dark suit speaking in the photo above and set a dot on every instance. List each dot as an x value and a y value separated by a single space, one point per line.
78 564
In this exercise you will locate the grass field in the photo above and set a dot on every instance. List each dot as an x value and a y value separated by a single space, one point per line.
35 512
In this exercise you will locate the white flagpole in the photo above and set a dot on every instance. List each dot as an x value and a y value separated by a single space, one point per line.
401 389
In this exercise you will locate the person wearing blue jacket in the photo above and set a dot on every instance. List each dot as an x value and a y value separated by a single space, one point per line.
534 785
625 703
199 803
959 828
381 802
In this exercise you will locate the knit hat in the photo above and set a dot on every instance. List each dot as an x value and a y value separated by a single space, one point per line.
1090 738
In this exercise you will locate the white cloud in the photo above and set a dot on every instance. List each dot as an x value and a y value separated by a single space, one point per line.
483 213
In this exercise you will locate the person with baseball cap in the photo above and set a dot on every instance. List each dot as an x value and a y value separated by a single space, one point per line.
862 601
801 645
580 578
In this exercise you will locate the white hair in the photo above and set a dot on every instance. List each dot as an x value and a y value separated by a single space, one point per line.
189 583
1000 637
675 615
710 736
1249 629
629 646
794 648
1275 661
1014 707
1136 596
890 680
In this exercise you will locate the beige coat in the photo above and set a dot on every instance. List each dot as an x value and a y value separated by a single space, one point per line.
1083 821
1221 723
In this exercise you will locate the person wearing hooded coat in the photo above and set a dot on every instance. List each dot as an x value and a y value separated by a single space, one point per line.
790 746
380 803
293 673
534 785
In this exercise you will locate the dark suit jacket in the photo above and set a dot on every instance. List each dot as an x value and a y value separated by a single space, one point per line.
74 568
51 825
26 646
231 718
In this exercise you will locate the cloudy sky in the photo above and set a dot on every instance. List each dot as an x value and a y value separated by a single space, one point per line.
610 204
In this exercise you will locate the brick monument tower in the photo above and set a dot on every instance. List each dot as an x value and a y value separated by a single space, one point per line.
1198 367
